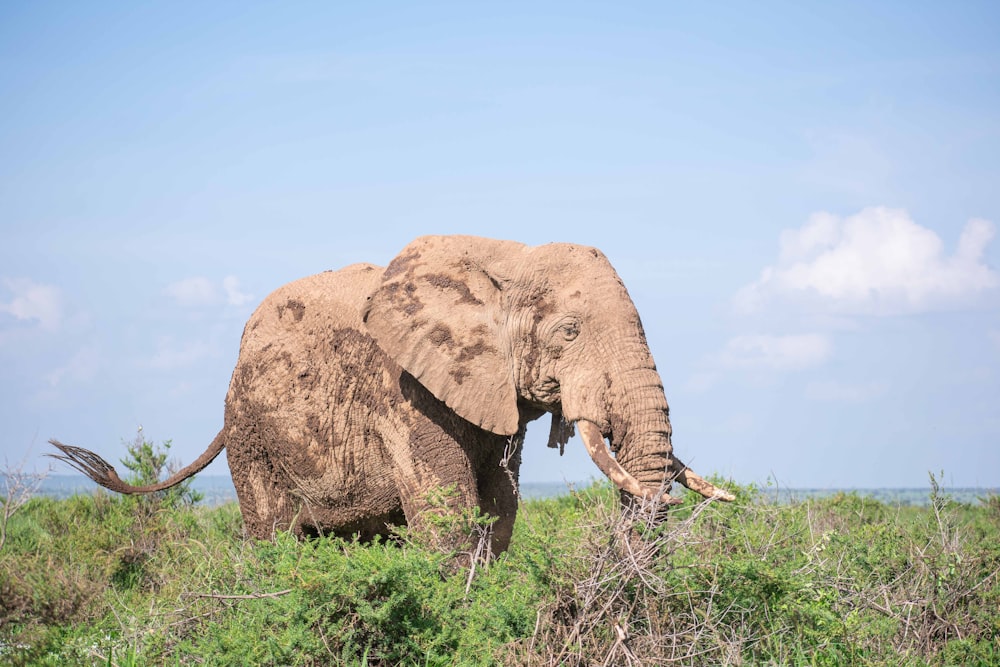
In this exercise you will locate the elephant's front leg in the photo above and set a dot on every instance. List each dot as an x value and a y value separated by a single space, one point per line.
498 468
437 487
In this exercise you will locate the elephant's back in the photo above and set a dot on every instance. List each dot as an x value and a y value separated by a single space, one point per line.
305 343
310 386
325 301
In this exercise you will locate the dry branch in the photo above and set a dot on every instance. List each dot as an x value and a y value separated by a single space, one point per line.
251 596
19 487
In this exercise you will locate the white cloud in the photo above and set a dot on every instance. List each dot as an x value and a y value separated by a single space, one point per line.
759 352
193 292
33 301
877 262
234 296
832 390
780 353
199 291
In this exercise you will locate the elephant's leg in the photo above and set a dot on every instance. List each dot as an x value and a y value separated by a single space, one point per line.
437 486
498 475
267 507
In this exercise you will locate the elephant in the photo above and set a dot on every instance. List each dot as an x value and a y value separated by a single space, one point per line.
358 392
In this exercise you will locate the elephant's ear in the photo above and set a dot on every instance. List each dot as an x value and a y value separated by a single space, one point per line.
437 314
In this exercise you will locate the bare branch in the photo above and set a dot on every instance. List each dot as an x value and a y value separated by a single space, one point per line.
19 487
251 596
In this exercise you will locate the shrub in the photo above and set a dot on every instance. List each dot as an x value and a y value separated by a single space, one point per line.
149 464
842 580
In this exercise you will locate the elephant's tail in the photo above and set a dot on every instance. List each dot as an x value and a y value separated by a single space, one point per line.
102 472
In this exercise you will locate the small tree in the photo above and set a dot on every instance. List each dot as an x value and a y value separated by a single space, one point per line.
148 463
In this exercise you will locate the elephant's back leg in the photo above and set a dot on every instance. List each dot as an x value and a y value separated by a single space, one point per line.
266 507
266 504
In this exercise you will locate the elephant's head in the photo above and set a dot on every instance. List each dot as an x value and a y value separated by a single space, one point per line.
500 331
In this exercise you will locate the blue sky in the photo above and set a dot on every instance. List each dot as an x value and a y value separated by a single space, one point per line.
802 199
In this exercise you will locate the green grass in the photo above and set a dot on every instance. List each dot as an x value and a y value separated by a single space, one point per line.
109 580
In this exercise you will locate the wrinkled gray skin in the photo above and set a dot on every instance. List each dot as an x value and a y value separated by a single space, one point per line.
358 392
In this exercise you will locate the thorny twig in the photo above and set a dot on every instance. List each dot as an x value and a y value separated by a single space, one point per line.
251 596
481 554
510 449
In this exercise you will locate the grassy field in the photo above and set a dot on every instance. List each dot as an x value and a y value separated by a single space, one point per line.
109 580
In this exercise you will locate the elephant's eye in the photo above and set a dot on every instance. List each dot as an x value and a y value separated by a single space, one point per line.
569 330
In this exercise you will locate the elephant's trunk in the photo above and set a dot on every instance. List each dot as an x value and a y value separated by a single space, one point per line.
599 452
641 436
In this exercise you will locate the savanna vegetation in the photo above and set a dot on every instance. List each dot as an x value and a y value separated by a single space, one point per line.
111 580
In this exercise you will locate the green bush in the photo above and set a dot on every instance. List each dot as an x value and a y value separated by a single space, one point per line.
100 579
149 464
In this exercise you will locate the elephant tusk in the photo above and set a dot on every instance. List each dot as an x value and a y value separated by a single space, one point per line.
692 480
599 452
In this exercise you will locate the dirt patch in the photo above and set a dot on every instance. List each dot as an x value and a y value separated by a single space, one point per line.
440 335
470 352
459 374
539 304
444 281
403 263
296 307
403 297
